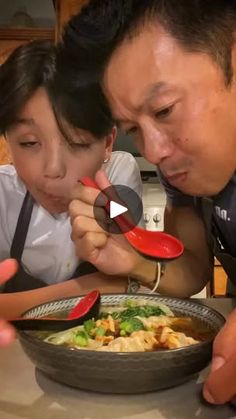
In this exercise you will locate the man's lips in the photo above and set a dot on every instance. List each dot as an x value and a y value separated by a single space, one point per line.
176 177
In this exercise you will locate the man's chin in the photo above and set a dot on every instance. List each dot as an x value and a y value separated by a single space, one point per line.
201 190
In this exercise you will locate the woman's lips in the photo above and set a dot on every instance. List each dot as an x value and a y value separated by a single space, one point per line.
51 197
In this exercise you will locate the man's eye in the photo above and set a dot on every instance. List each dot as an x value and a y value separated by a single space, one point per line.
164 113
131 131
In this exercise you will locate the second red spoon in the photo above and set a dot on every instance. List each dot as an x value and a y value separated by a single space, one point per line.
86 308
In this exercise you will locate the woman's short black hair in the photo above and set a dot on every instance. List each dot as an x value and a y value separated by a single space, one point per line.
29 67
32 66
78 99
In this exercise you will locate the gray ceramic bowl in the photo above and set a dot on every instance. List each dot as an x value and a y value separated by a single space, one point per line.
111 372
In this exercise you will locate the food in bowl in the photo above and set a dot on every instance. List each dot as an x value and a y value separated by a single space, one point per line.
103 371
133 326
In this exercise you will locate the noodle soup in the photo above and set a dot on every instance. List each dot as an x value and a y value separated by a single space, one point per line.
134 326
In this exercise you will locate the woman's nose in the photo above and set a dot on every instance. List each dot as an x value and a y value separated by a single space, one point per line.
54 165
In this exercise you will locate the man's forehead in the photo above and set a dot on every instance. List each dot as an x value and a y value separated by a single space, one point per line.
141 62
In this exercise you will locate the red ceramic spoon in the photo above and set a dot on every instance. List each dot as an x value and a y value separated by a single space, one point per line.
153 245
86 308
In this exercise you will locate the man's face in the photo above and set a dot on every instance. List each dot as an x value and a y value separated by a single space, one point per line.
178 109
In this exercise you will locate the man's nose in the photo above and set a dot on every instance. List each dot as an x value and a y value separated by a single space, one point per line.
157 145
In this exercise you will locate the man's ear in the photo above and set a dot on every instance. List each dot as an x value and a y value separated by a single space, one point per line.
110 139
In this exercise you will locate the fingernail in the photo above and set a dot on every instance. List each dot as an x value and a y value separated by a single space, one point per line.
207 395
217 362
6 336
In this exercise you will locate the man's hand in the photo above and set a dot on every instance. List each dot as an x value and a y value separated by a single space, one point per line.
220 386
8 268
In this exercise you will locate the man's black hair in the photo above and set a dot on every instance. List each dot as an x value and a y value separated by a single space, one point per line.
206 26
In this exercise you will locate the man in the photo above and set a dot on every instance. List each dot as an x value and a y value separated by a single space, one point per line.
168 68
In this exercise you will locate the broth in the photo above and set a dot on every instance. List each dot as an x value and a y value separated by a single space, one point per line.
192 327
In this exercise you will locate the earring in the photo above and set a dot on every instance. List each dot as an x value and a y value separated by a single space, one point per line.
106 160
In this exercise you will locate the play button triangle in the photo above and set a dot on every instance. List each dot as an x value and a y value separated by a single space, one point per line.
116 209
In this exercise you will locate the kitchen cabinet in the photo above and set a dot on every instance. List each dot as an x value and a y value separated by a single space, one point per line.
220 279
11 37
4 155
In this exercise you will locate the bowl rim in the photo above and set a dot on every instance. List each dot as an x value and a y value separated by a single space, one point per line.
27 335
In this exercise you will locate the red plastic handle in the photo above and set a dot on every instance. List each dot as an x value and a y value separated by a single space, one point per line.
84 305
87 181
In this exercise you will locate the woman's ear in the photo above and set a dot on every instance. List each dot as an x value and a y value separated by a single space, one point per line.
110 139
233 58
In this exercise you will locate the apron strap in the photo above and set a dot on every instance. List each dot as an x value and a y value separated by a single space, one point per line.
22 281
22 226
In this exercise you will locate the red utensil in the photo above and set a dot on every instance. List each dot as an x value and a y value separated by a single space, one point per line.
154 245
86 308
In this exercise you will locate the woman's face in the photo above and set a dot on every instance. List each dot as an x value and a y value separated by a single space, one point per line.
49 166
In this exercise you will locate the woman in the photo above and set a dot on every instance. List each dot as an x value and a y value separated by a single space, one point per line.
51 152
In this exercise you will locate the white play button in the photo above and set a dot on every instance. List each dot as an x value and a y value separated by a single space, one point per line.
122 202
116 209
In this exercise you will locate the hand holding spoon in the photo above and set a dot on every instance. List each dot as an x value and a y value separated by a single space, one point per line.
154 245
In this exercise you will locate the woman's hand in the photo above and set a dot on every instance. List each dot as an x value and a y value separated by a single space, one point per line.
110 253
8 268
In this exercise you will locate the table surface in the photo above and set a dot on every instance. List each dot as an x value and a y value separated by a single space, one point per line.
28 393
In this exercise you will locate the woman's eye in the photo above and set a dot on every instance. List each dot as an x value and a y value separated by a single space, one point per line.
81 146
164 113
27 144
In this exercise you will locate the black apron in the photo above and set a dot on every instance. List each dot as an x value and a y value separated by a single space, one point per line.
218 246
22 281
